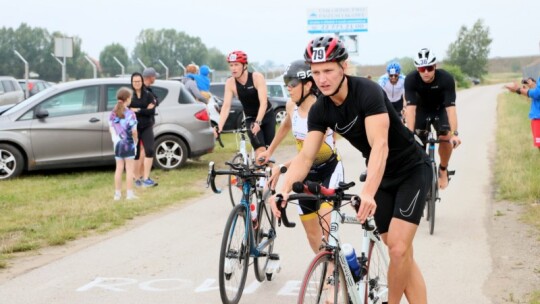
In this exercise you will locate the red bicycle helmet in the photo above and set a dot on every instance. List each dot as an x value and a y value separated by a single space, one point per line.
325 49
237 56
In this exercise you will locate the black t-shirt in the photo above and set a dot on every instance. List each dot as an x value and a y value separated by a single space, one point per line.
366 98
145 117
431 96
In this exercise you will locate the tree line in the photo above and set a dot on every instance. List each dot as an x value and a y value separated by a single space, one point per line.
466 57
36 45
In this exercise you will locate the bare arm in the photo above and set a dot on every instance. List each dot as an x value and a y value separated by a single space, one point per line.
227 100
302 162
377 133
410 116
284 129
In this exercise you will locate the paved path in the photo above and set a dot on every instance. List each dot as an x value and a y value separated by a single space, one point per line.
174 258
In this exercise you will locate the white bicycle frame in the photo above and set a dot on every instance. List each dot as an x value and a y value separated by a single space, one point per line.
356 290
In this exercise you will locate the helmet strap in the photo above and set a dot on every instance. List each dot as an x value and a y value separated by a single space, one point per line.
302 97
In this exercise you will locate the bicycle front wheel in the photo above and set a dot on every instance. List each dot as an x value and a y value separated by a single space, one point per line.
321 284
376 279
234 182
264 232
432 199
234 256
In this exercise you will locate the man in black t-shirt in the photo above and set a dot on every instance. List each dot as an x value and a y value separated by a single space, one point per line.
398 169
431 94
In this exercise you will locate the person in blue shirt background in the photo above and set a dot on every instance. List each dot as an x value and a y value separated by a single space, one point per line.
393 84
530 89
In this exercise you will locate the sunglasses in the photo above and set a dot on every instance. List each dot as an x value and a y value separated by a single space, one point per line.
291 82
429 68
393 75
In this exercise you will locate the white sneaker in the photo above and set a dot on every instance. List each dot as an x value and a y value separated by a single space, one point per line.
132 197
117 196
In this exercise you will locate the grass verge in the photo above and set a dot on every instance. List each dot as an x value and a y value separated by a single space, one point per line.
51 208
517 164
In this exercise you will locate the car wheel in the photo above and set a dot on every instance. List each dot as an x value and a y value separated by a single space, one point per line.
11 162
281 113
171 152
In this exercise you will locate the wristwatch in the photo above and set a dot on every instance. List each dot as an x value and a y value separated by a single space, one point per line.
455 133
258 122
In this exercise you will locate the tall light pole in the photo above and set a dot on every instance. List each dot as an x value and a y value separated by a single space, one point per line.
120 64
27 93
93 65
166 69
63 64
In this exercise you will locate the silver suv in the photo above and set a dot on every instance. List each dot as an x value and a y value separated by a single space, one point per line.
67 126
10 91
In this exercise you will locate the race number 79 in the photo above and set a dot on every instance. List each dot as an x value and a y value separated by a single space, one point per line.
319 55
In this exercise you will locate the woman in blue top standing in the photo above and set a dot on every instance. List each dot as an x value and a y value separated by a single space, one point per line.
530 89
123 128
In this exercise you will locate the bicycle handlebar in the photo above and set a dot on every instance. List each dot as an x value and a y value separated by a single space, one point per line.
311 191
236 169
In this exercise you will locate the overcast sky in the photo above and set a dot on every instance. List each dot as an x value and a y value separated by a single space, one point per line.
277 30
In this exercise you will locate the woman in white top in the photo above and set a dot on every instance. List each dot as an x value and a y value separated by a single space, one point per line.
327 168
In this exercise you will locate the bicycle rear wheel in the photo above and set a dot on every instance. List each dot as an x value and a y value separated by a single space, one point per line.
376 279
320 282
234 256
234 182
264 232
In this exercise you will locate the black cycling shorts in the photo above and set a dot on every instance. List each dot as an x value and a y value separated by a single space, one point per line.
438 118
146 140
266 134
403 198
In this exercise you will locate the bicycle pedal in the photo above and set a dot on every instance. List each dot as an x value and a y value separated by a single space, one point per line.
274 265
451 172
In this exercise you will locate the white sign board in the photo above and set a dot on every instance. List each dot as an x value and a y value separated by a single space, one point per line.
63 47
337 20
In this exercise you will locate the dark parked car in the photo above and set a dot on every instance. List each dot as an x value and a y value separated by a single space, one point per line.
277 96
67 126
235 119
34 86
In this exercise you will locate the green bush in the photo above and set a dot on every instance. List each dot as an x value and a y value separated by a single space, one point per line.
461 80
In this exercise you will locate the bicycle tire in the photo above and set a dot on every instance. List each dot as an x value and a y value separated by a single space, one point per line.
433 199
234 256
376 278
314 287
266 227
235 183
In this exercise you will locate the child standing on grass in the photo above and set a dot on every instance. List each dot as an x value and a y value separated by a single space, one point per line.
123 128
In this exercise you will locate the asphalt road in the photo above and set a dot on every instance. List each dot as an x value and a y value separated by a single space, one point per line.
174 257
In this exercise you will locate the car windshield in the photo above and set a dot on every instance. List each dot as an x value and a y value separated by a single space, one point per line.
27 101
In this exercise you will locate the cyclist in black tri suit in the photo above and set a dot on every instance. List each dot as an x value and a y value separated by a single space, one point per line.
252 93
398 169
431 92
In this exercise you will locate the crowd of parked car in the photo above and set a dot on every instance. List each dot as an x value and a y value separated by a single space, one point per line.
50 126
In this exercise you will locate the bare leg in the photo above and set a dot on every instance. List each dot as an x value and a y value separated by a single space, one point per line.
118 174
130 165
147 167
445 151
404 276
139 163
313 229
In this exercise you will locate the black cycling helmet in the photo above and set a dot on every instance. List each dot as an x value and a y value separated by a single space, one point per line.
299 72
298 69
325 49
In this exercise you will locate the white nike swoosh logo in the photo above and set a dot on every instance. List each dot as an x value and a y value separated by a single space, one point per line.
408 212
347 127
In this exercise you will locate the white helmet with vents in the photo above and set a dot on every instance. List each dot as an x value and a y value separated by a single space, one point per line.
425 57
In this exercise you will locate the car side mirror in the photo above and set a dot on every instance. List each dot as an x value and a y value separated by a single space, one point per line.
42 113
